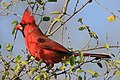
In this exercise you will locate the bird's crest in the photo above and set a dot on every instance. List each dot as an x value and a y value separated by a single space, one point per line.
28 17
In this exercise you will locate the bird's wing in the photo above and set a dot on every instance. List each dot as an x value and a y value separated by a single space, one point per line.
49 44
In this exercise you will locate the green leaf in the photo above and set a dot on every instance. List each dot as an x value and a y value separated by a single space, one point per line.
55 12
39 63
81 28
93 34
79 71
13 30
24 62
17 59
62 67
52 0
99 64
16 68
80 56
32 70
46 18
80 20
31 2
84 27
43 76
43 7
40 2
3 77
94 74
117 73
58 19
72 60
8 47
91 72
67 62
106 46
15 23
32 58
6 72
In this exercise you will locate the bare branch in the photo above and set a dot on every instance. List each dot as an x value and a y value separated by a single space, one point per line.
49 34
102 47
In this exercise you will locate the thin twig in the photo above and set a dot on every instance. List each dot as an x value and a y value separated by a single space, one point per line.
42 14
75 8
48 33
69 18
87 44
106 9
7 6
15 77
102 47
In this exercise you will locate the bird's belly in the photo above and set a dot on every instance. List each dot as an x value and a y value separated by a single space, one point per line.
34 51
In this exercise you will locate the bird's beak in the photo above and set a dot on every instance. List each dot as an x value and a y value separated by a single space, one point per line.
19 27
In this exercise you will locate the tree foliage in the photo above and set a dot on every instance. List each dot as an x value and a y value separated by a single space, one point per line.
20 67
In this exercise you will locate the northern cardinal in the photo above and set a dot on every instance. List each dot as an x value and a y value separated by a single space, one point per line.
43 48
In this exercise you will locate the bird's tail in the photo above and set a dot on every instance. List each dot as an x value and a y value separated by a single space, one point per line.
93 55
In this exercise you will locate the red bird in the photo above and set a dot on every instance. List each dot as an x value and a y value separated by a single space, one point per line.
41 47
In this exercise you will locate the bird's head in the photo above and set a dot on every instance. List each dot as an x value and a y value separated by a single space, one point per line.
27 18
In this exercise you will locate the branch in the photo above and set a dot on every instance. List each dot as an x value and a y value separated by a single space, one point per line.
68 18
60 16
75 67
7 6
106 9
22 67
102 47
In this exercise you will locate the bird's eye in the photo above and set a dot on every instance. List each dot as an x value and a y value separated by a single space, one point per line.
23 25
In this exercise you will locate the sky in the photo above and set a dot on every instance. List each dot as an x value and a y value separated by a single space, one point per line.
93 15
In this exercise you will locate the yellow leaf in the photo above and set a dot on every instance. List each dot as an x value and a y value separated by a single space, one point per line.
32 70
94 73
32 58
91 72
55 12
111 18
58 19
16 68
62 67
106 46
67 62
5 4
117 73
117 61
25 62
